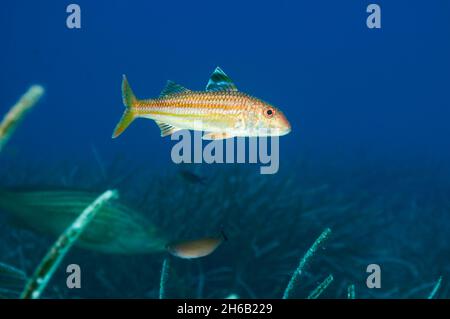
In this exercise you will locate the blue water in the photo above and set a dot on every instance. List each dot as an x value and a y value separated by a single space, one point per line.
369 108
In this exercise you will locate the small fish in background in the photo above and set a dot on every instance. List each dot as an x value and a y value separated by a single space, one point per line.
223 111
198 248
192 177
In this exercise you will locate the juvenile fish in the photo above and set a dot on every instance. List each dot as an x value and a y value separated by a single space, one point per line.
196 248
192 177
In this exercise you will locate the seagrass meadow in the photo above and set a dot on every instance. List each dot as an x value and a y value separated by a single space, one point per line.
270 222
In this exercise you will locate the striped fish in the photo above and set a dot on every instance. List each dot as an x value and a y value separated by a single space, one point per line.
221 111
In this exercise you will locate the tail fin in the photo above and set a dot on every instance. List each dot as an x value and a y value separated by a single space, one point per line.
129 100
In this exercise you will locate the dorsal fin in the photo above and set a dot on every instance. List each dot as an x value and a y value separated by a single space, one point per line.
219 81
172 88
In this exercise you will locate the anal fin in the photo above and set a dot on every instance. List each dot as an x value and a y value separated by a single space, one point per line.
217 136
166 129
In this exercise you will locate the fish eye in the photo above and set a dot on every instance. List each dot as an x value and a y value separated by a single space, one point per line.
269 112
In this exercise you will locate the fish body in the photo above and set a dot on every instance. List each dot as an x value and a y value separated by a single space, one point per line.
192 177
197 248
221 110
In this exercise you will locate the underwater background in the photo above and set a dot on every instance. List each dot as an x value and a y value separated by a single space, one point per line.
368 155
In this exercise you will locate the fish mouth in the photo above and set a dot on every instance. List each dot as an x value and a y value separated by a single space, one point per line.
283 131
278 131
286 131
286 127
282 127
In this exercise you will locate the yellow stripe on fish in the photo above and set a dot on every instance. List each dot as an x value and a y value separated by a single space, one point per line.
221 110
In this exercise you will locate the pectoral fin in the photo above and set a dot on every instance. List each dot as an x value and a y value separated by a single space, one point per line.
217 136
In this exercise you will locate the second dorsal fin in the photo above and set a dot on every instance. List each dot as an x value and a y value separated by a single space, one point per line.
172 88
219 81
